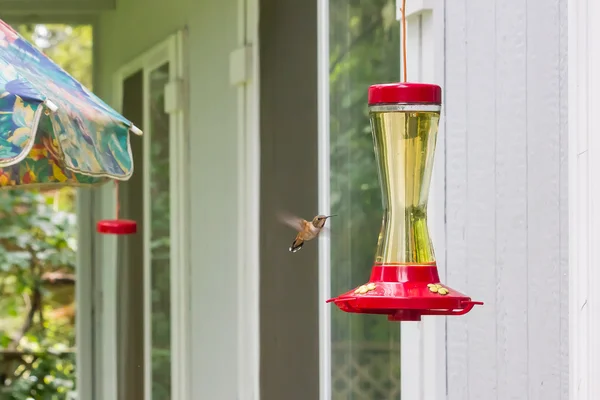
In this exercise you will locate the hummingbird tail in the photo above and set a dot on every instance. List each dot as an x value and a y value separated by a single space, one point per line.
296 245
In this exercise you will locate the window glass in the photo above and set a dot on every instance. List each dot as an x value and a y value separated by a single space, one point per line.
160 237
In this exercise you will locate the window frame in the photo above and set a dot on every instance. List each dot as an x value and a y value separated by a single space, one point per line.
171 51
245 77
324 201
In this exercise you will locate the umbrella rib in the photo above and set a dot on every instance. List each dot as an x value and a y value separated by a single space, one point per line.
53 107
136 130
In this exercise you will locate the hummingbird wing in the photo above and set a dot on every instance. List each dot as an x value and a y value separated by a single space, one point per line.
292 221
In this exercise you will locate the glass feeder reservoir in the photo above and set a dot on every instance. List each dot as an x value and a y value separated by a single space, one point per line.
404 281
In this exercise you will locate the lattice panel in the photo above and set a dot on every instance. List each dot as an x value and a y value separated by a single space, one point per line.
366 371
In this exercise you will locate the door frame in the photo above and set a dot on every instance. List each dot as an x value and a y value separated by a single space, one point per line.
324 200
245 76
171 50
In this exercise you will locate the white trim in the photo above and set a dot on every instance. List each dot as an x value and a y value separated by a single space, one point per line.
150 59
106 346
324 198
423 343
584 199
169 51
247 82
180 227
84 290
147 284
414 7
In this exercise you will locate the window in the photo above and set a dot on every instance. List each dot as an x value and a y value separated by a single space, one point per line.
150 94
364 42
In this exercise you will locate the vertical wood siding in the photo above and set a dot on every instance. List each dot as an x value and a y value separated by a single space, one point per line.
506 197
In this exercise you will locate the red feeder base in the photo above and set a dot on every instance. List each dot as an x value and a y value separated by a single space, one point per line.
116 227
404 293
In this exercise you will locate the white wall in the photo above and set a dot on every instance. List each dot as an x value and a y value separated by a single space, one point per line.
506 197
123 34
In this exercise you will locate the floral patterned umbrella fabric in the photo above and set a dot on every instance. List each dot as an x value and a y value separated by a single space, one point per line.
53 130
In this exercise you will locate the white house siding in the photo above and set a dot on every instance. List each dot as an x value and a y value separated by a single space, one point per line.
133 28
506 197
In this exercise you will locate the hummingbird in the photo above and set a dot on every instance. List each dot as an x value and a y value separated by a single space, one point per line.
307 230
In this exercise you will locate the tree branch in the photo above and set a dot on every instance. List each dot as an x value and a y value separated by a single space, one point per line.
36 302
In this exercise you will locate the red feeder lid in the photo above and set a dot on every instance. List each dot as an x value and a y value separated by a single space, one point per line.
405 93
117 226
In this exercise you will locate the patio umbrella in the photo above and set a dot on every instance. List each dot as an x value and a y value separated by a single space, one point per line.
53 130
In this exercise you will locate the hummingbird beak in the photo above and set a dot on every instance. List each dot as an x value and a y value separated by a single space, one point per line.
332 215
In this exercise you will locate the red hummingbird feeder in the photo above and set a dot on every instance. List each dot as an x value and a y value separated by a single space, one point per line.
404 283
116 226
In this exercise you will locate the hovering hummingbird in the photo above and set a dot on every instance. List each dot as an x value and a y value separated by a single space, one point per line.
307 230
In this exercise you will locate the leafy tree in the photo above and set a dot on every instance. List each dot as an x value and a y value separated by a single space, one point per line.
37 262
70 46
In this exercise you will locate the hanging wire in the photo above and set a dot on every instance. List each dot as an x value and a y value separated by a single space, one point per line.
403 11
117 197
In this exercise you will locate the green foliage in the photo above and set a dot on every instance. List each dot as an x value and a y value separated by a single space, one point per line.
35 239
70 46
51 378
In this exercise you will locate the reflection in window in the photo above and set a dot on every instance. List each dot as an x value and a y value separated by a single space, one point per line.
160 266
364 42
